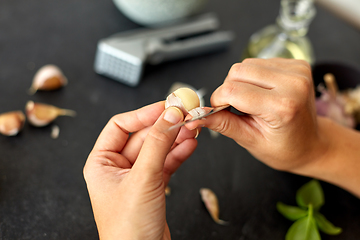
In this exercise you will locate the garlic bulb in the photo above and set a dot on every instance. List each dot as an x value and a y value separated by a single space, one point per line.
48 77
211 203
40 114
185 99
11 123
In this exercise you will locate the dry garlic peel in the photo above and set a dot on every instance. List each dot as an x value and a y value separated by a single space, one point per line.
55 131
197 112
212 205
185 99
11 123
40 114
48 77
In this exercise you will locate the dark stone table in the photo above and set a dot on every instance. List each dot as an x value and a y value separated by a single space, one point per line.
42 191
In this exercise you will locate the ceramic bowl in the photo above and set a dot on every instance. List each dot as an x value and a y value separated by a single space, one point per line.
155 13
347 76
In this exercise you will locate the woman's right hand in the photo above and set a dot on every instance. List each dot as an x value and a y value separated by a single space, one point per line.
280 125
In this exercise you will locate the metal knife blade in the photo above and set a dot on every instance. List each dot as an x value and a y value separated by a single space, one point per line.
199 113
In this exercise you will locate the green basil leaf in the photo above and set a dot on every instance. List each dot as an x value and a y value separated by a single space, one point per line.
325 225
310 193
303 229
291 212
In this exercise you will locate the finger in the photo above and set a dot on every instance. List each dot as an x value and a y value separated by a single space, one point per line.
245 97
115 134
245 129
135 142
109 159
158 143
185 134
276 62
177 156
268 73
133 146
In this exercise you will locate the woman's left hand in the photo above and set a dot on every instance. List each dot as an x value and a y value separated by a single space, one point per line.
126 176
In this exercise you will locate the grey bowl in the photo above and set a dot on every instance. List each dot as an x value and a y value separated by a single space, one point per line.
159 12
347 76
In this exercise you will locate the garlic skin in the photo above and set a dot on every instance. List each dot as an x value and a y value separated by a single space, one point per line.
55 131
11 123
47 78
185 99
211 203
40 114
196 112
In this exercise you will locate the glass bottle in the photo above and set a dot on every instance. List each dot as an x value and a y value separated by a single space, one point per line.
287 38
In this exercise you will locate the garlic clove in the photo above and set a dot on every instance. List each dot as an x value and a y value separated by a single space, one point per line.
212 205
48 77
331 84
167 191
40 114
200 92
185 99
11 123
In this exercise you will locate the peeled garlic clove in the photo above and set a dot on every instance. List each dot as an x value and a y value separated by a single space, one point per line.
11 123
48 77
200 92
185 99
40 114
211 203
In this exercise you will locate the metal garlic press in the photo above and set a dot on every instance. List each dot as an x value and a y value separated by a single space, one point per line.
123 56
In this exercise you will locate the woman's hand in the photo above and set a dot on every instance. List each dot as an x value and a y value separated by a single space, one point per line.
280 125
126 176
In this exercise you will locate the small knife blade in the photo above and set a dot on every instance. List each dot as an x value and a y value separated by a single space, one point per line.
199 113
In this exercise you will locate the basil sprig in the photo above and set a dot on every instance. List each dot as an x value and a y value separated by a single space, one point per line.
308 219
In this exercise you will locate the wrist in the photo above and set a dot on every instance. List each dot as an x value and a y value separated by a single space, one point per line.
315 156
334 158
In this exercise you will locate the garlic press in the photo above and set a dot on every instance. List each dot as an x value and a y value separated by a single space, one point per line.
122 56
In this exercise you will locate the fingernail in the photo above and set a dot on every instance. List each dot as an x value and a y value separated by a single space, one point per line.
173 115
198 126
197 133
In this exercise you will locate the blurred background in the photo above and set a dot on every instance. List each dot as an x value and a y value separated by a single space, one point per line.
42 191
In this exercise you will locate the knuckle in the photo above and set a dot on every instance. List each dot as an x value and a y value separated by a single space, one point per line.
222 127
235 66
86 172
304 69
89 166
278 165
158 136
227 89
304 63
234 70
303 84
288 109
252 60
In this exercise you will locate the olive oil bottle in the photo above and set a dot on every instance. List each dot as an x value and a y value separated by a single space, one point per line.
287 37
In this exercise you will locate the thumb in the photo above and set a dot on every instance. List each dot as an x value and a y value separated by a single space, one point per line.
158 143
